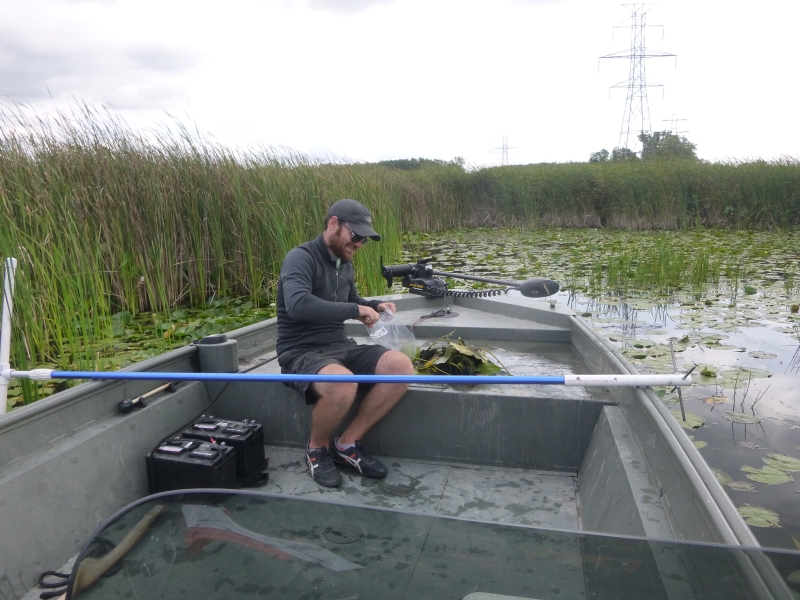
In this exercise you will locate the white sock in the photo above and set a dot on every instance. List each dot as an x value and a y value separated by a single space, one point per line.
341 447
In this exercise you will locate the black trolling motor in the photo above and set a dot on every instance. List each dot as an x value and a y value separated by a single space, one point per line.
421 279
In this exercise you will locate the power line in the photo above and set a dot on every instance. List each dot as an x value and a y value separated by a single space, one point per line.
636 117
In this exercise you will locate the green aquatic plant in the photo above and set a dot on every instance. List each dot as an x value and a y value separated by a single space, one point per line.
741 486
692 420
446 357
759 517
722 477
782 462
743 418
767 475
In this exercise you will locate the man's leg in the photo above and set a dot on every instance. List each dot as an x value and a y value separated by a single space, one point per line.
333 402
381 398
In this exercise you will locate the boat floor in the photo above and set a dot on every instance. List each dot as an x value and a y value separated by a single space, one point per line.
480 493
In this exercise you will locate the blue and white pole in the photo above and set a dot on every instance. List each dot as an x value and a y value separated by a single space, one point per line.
672 379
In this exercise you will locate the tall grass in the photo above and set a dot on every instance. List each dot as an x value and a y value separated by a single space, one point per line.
665 194
104 218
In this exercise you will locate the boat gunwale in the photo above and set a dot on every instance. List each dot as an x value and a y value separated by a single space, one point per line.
689 456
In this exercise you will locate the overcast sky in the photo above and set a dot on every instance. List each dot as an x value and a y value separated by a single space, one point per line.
372 80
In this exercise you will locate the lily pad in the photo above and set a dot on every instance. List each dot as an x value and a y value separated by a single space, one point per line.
783 463
767 475
760 354
758 517
715 399
722 477
741 486
742 418
699 445
692 421
741 376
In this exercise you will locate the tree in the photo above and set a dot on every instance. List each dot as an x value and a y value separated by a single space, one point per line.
665 145
601 156
412 164
620 154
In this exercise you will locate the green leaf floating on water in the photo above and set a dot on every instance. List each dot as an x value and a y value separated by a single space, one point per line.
722 477
767 475
742 418
741 486
741 377
758 517
698 444
783 462
762 354
692 421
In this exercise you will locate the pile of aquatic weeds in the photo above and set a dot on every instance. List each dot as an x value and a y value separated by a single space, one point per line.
446 357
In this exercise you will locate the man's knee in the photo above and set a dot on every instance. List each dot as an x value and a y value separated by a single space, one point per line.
337 394
394 363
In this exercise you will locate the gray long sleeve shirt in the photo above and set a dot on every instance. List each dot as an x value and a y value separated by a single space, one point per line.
315 297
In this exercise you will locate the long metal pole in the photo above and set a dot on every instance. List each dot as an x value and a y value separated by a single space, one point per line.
483 279
5 332
569 380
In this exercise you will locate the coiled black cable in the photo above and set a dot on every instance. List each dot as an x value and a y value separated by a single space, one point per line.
468 293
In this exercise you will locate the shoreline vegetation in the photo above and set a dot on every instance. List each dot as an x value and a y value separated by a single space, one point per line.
109 223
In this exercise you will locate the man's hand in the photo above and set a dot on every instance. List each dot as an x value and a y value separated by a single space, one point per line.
387 306
368 316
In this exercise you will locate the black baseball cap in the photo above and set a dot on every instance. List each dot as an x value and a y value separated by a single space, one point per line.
357 217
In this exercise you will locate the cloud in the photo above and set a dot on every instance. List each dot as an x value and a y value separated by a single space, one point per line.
164 58
538 2
128 75
345 7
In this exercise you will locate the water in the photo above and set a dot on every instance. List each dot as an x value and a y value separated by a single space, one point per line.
736 322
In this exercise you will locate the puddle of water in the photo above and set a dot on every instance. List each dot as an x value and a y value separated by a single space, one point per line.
735 317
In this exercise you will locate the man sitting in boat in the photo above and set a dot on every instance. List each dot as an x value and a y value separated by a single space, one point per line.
316 294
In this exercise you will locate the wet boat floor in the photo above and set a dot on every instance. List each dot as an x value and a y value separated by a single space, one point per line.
481 493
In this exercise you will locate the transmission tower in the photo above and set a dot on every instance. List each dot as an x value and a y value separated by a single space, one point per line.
504 148
636 118
673 125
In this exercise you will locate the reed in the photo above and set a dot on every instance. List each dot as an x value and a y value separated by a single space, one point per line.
648 195
106 219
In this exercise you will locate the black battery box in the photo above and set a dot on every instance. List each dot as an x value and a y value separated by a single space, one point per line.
179 463
246 437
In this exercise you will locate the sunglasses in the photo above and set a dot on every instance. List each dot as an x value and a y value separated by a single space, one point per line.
354 237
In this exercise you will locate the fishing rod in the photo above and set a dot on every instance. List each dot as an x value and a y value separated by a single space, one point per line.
611 380
421 279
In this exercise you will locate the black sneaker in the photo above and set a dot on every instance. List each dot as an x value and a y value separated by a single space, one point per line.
321 467
358 458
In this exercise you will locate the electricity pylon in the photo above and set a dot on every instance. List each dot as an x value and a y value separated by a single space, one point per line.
636 118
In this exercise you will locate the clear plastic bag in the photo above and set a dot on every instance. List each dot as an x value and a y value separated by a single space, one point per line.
390 333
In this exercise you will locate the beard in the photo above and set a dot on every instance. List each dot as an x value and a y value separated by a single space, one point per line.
341 246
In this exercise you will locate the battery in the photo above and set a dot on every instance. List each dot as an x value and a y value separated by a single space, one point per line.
179 463
246 437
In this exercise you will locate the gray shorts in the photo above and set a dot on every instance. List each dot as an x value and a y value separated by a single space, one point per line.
359 359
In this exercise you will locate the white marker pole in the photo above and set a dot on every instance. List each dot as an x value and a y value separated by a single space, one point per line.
5 332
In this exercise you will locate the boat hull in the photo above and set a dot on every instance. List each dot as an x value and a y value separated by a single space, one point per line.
73 459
